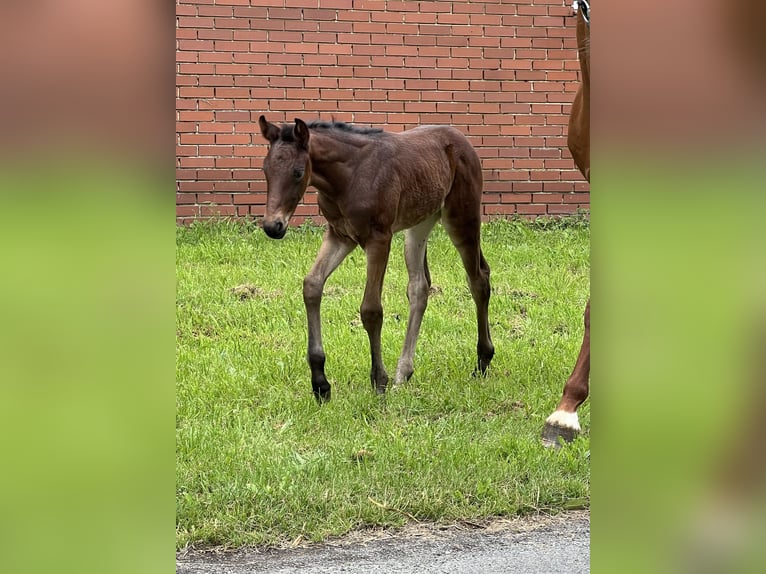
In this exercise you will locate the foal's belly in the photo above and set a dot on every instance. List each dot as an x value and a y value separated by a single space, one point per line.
410 217
419 203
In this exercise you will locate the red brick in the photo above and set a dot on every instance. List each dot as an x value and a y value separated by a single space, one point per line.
232 162
187 81
214 10
259 12
196 69
250 198
217 210
420 62
183 9
184 22
185 198
532 209
233 46
196 162
501 209
342 4
194 186
218 198
196 139
186 210
578 198
214 57
230 186
321 105
234 139
434 73
562 209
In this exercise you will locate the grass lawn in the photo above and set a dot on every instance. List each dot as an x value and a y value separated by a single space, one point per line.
260 463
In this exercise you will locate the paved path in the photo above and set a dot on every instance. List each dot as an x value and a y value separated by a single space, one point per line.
537 545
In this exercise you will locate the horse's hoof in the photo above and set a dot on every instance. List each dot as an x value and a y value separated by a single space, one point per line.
379 382
322 395
560 425
484 359
402 378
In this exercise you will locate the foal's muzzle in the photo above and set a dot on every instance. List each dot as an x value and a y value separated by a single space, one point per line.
275 229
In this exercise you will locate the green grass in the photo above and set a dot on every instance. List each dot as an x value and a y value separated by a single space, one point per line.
260 463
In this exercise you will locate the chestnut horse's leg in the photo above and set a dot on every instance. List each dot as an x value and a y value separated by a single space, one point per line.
377 249
332 252
415 242
564 422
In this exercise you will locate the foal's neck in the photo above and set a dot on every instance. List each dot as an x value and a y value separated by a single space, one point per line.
332 161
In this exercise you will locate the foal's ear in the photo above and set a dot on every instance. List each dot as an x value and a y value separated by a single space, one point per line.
269 130
301 133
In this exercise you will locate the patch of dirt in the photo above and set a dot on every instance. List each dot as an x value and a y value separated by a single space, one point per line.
435 291
250 291
561 329
506 406
504 291
334 291
518 326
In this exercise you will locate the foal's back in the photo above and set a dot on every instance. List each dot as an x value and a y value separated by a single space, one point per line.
426 147
422 167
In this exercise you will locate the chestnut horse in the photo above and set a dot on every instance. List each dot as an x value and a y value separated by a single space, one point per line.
564 422
372 184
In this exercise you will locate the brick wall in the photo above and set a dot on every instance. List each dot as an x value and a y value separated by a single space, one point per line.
503 72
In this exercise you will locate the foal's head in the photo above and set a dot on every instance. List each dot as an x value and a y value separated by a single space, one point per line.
288 170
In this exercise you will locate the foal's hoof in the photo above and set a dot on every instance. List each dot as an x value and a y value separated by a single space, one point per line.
379 381
322 393
402 378
560 425
482 365
484 359
480 372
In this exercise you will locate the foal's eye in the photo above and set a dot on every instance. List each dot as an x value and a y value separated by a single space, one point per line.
298 174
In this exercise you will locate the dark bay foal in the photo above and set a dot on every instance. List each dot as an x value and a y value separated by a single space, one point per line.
564 422
372 184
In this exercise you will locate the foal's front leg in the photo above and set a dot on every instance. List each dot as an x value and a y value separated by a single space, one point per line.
332 252
377 251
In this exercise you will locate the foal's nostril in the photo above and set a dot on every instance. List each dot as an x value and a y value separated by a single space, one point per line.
275 229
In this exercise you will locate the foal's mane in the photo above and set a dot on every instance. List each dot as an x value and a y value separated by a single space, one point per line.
286 134
343 126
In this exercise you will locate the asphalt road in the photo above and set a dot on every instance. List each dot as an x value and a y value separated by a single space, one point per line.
528 546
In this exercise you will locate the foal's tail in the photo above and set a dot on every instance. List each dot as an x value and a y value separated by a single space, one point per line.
463 202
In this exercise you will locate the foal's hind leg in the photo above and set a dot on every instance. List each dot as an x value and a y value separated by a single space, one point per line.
464 231
415 242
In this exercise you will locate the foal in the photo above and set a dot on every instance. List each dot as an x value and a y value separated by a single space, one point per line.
564 422
372 184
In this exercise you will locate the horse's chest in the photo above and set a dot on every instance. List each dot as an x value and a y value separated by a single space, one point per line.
338 219
343 228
